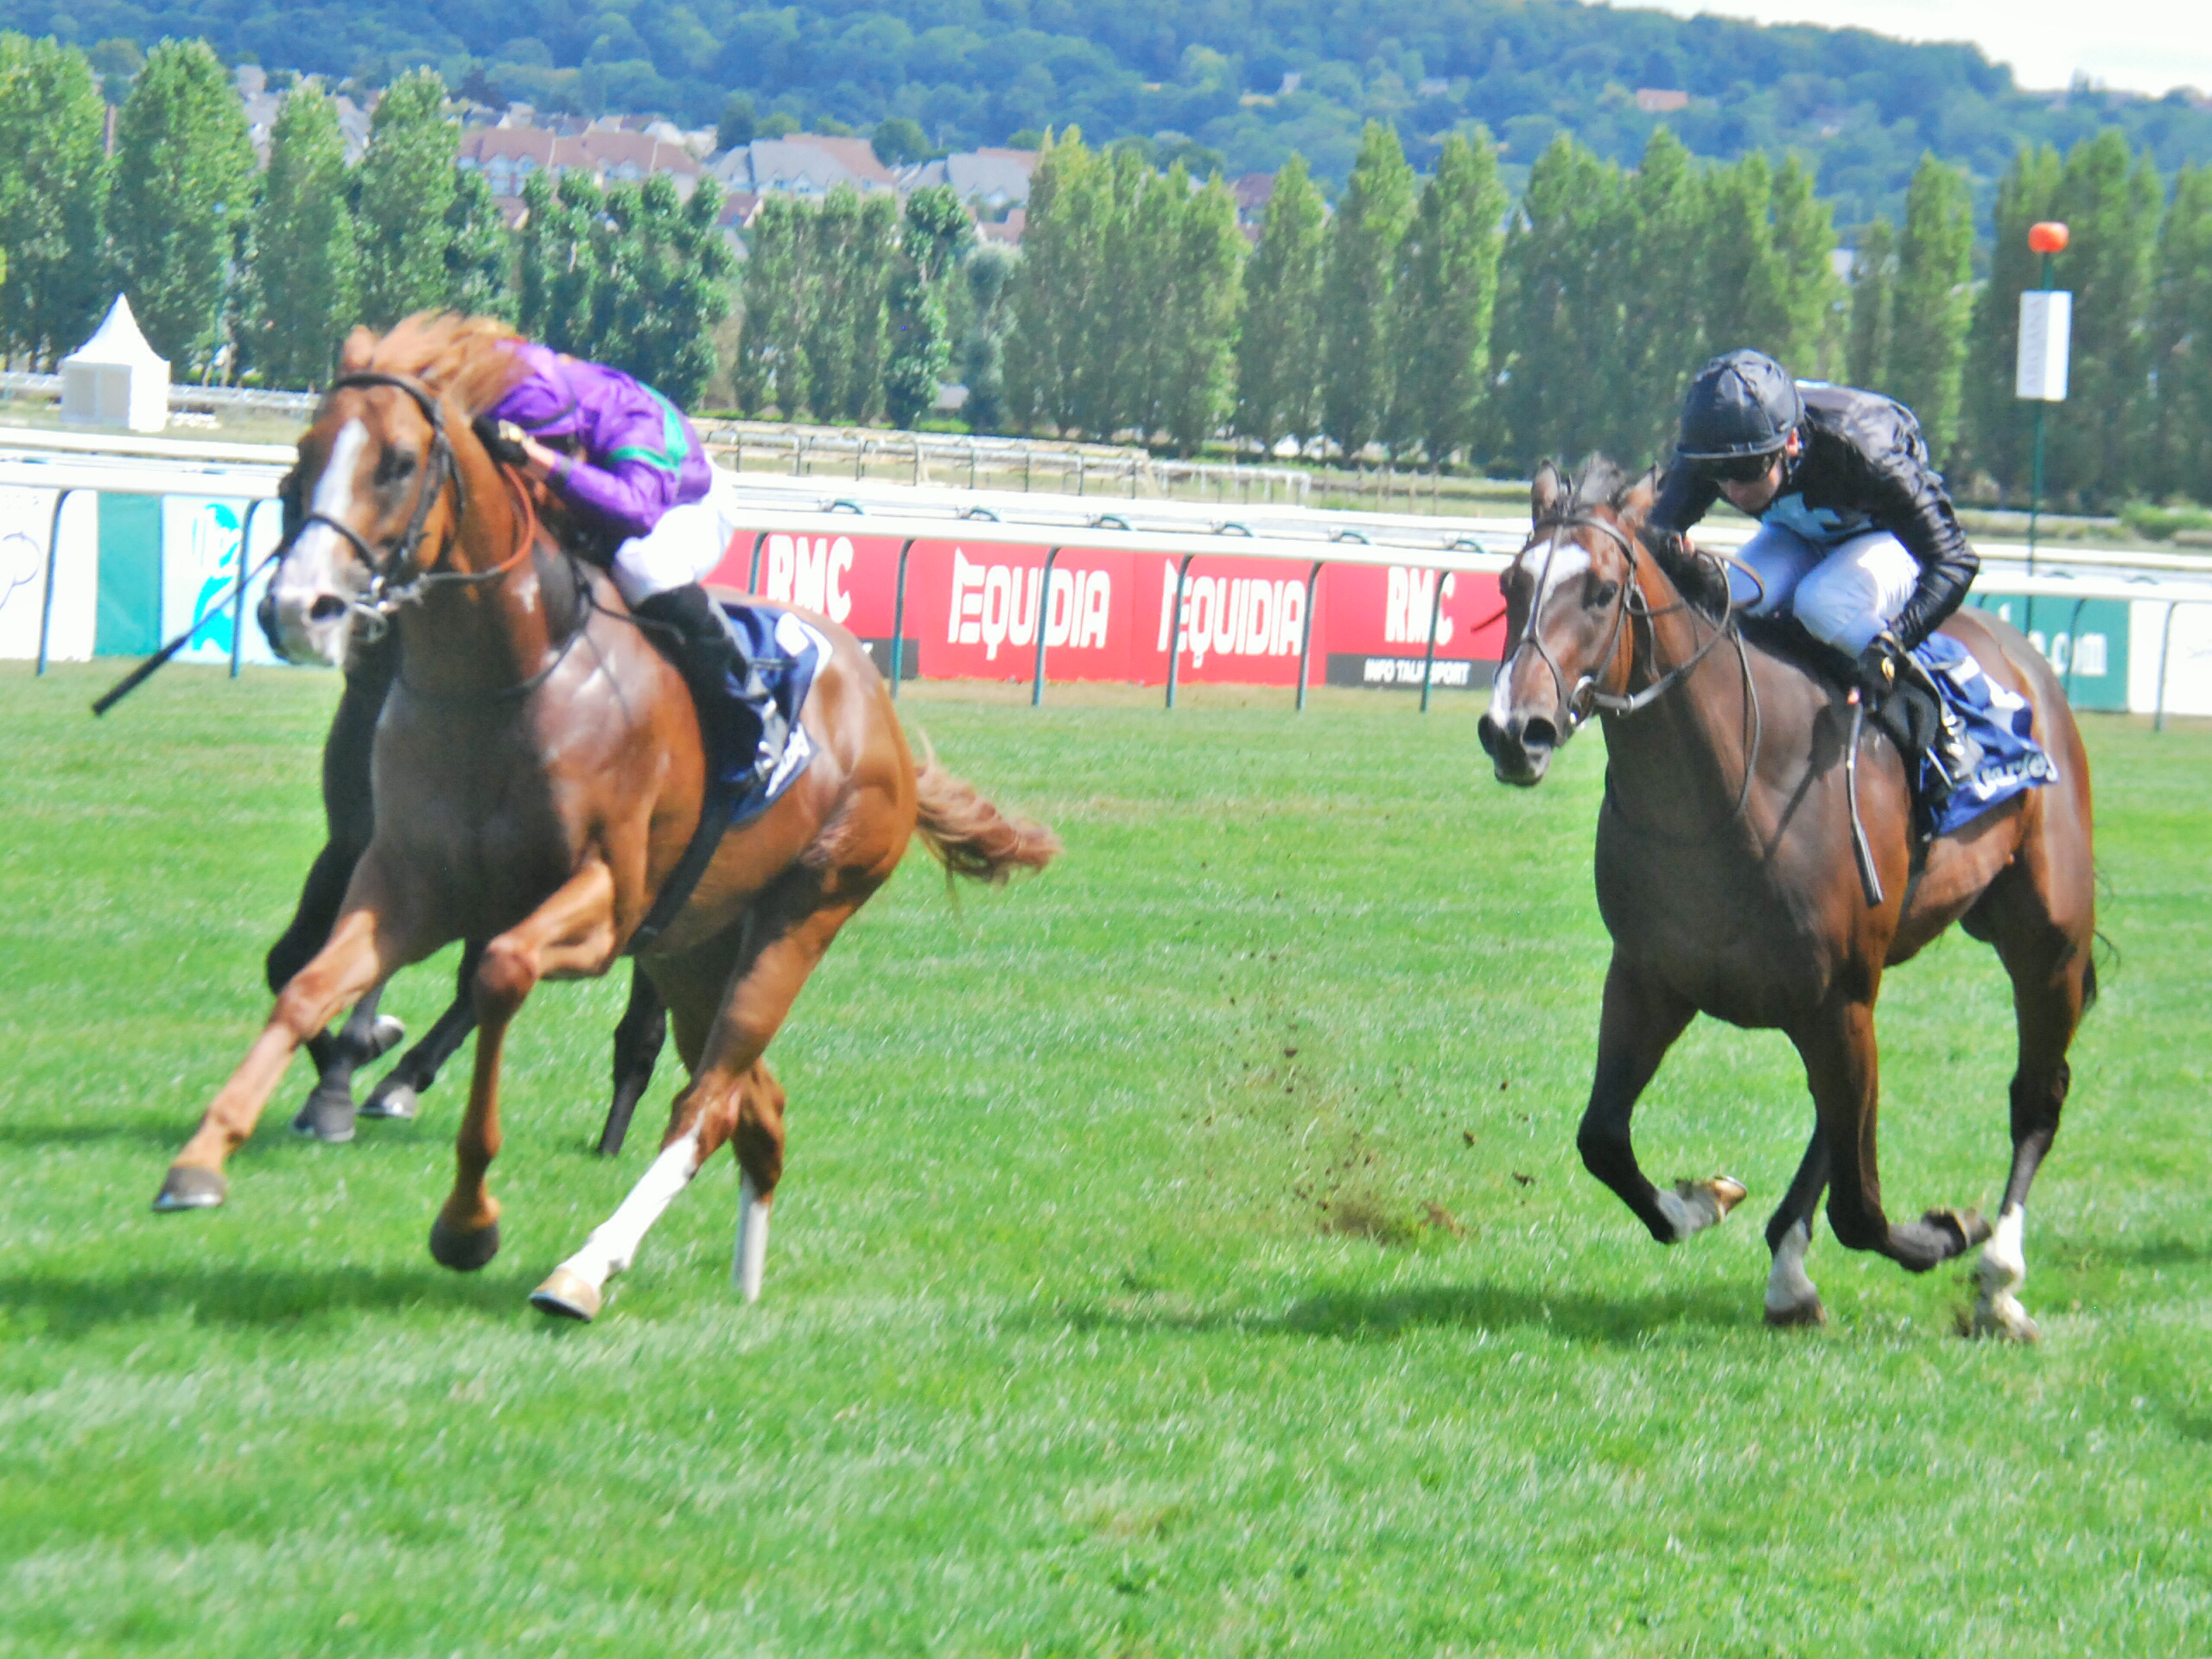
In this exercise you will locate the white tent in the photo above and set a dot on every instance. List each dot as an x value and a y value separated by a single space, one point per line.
114 378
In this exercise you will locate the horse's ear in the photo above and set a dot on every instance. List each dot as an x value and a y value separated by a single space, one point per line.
360 347
1635 505
1544 492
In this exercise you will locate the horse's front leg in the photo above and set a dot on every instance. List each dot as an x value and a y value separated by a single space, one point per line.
1639 1023
1791 1297
368 945
572 932
1837 1044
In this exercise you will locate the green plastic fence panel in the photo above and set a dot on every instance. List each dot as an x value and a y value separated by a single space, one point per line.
2086 640
129 619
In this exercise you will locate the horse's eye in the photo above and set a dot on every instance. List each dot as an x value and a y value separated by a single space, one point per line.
396 465
1605 592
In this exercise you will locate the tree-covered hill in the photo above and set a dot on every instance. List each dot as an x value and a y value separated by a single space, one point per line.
1209 74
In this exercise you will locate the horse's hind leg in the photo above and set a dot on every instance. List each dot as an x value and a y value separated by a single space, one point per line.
1639 1023
732 1096
2053 980
400 1090
327 1113
638 1038
1791 1298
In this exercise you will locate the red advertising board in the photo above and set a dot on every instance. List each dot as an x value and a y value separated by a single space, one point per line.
973 612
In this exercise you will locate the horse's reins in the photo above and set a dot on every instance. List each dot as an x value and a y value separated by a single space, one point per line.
1578 704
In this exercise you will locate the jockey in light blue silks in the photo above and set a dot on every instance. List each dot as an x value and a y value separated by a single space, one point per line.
1857 536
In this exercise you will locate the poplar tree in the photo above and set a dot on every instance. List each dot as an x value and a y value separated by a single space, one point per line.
480 252
1662 302
306 266
406 188
934 232
2097 436
558 261
1931 309
1556 355
664 287
1279 351
1997 424
1053 354
182 200
2181 341
53 184
847 251
1873 297
1445 299
1195 385
1372 217
989 271
769 367
1129 344
1812 295
1747 282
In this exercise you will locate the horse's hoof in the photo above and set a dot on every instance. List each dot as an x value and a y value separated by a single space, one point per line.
187 1186
393 1100
328 1114
568 1295
1797 1316
2003 1319
1727 1191
463 1252
1969 1227
384 1035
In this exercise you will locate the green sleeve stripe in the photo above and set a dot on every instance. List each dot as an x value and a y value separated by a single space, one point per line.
676 448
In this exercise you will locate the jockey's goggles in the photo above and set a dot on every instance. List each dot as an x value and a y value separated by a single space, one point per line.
1736 469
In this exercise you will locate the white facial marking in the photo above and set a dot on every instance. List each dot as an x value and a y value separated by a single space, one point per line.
313 561
1787 1287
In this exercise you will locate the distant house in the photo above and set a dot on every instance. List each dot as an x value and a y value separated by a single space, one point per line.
262 106
1008 230
804 164
607 150
1659 100
990 181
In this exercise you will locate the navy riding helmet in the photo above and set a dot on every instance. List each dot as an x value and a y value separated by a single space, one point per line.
1741 405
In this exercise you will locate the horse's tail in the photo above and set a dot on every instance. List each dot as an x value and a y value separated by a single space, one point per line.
968 835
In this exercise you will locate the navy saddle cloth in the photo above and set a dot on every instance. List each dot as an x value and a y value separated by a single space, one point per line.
754 756
2003 756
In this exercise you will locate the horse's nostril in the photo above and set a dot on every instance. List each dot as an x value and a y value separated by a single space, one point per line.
1539 735
1486 735
327 607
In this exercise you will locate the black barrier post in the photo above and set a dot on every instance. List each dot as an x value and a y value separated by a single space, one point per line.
2165 640
752 576
52 558
1044 615
1428 663
1305 633
237 604
2072 644
1175 628
898 619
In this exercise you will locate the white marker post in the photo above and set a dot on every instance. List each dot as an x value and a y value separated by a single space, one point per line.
2046 332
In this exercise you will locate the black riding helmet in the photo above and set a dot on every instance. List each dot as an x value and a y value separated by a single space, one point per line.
1741 407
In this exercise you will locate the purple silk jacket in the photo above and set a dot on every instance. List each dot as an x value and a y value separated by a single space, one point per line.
638 457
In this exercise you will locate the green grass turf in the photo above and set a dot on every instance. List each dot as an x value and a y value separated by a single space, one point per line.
1185 1252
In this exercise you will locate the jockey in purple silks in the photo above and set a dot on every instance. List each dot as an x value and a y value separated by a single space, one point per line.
628 462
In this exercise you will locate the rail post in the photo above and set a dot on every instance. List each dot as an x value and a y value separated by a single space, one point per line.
1429 662
1044 615
899 620
53 559
246 563
1305 633
1175 626
2165 640
753 576
2072 644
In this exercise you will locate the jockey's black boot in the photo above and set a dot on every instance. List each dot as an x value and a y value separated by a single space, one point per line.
708 657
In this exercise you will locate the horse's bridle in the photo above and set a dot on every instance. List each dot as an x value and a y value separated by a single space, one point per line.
1576 705
399 576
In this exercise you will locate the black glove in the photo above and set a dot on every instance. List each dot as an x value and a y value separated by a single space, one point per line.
500 438
1876 670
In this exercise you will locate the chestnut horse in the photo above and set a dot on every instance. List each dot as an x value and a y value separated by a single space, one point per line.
539 773
1725 874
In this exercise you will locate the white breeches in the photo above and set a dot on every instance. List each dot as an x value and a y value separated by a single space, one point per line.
684 547
1844 595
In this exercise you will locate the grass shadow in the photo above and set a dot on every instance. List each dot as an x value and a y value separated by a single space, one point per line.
244 1297
1383 1316
32 1136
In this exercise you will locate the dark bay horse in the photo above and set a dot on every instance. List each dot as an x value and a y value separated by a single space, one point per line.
1725 874
550 763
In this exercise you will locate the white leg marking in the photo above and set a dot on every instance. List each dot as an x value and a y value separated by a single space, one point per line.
1693 1207
613 1243
1788 1290
1678 1211
751 1260
2003 1268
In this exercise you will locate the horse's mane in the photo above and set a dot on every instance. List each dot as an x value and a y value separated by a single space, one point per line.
1702 581
471 360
